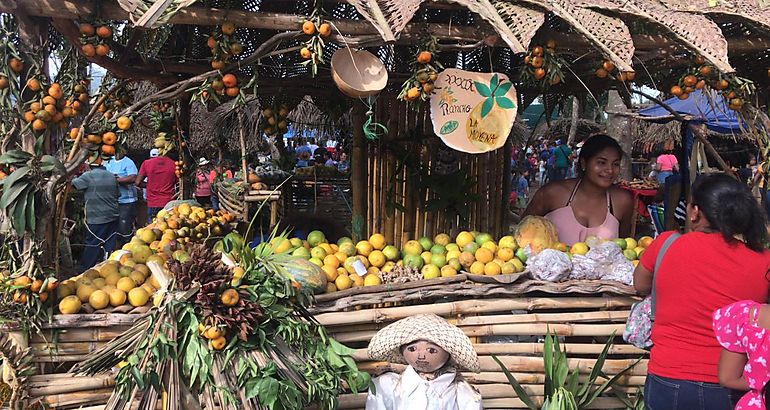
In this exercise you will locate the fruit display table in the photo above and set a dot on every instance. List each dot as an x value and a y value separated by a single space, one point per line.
505 316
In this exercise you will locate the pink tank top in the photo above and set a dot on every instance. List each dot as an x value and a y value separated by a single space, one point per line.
571 231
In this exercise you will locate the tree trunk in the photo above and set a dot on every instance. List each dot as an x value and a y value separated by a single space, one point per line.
617 128
573 125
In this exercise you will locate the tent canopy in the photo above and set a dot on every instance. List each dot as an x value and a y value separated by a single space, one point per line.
703 107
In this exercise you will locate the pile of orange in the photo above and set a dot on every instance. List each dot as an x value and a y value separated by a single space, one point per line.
94 39
115 102
50 107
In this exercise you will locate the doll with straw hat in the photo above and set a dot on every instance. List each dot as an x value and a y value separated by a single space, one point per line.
435 352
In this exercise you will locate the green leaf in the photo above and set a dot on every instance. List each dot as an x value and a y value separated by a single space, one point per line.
523 396
482 89
11 188
487 106
493 82
14 157
137 377
503 89
30 212
504 102
340 349
19 212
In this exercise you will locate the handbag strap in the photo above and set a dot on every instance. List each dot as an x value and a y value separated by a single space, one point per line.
666 244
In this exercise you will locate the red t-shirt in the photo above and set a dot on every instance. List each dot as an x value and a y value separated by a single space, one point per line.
699 273
161 179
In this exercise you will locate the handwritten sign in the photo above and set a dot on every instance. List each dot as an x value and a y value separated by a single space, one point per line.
473 112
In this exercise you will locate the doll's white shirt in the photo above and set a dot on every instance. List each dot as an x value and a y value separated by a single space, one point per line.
409 391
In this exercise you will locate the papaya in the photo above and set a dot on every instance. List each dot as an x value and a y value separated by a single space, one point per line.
536 232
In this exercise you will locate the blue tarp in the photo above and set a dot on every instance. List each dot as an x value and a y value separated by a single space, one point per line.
707 108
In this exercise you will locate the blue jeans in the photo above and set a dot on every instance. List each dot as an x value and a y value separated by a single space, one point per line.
662 393
151 212
559 174
99 241
126 217
662 175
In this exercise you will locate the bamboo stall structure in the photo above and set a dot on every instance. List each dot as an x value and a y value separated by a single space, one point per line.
399 165
503 318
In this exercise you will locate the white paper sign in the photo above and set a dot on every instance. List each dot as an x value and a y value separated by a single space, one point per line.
473 112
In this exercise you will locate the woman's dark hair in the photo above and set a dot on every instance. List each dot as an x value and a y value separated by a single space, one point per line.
730 209
594 145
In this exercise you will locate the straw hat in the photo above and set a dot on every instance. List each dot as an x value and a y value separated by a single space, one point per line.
386 344
358 73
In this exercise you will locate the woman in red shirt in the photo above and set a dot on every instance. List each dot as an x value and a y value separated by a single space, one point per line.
720 261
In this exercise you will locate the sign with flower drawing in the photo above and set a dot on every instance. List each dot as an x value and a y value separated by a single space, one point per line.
472 112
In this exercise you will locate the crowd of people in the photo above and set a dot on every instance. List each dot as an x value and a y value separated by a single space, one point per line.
307 153
114 189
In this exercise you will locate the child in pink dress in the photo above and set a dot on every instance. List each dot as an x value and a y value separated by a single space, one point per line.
738 331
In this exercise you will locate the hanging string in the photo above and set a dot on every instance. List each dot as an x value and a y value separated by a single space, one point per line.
372 129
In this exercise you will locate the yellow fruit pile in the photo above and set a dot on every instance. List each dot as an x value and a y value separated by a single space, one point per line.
214 334
112 283
632 249
172 229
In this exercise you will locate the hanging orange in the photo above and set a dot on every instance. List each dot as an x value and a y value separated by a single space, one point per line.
305 53
608 65
88 50
601 73
102 50
74 133
228 28
38 125
55 91
104 32
676 90
124 123
325 29
539 73
230 80
424 57
211 42
108 150
33 84
537 51
86 29
232 91
217 64
3 82
689 80
308 27
109 138
236 48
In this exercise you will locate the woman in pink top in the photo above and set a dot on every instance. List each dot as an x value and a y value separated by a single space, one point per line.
666 165
590 204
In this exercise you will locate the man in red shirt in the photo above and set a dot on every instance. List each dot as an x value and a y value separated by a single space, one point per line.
160 172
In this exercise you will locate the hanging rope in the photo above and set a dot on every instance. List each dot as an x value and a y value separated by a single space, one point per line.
372 129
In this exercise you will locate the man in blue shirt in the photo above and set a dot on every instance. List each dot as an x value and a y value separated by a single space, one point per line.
125 172
562 157
101 196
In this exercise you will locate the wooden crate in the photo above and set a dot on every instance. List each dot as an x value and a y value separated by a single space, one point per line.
503 319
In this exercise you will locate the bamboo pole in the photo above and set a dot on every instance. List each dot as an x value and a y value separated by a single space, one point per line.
78 398
358 167
358 401
390 218
471 307
506 330
81 384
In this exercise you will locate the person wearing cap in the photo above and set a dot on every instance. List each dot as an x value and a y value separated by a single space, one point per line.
100 191
202 183
125 172
435 352
160 174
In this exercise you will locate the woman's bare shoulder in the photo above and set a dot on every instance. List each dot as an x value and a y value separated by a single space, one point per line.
621 196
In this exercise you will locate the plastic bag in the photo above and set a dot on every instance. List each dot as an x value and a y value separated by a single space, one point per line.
550 265
585 268
610 264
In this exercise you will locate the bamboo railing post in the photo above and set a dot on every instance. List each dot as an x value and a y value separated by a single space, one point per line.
358 171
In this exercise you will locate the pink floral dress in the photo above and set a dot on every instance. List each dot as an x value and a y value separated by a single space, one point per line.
736 330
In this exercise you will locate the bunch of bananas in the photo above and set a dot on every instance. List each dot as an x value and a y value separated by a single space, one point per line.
164 143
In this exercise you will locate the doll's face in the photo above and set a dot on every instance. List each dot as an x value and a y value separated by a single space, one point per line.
424 356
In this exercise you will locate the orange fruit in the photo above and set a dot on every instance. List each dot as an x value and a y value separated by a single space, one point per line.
38 125
676 90
50 109
35 106
229 80
308 27
211 42
236 49
16 65
601 72
539 73
537 61
48 100
700 84
88 50
104 32
33 84
325 29
94 139
102 50
108 149
630 75
3 82
29 116
218 343
109 138
232 91
124 123
412 93
689 80
424 57
86 29
684 96
217 64
608 65
228 28
74 133
705 70
305 53
230 297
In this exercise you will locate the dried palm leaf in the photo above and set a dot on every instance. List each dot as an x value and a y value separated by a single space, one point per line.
489 12
16 366
152 13
523 22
